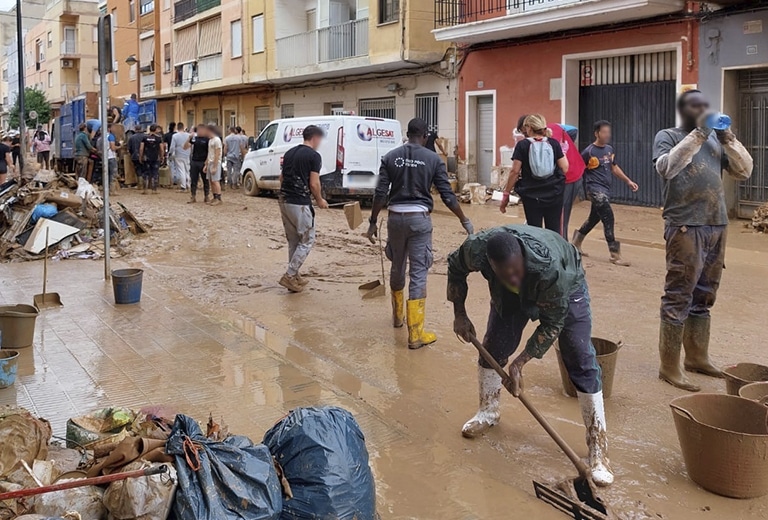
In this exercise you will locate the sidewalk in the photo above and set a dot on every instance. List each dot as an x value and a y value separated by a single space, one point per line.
168 350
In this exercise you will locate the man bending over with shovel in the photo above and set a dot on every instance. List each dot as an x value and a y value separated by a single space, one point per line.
405 179
532 274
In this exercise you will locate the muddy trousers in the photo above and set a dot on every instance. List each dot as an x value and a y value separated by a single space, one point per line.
195 173
409 246
299 224
182 171
503 336
233 171
601 212
151 174
695 261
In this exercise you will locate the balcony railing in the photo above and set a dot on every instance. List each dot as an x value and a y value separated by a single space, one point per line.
147 82
68 47
209 68
70 90
455 12
186 9
337 42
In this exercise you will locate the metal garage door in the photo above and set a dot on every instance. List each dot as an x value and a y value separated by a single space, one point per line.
637 95
753 133
485 133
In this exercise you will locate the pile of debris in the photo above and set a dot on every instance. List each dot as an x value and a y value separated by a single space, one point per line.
69 211
153 464
760 219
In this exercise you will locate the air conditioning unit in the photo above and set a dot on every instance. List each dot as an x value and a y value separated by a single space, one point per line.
67 64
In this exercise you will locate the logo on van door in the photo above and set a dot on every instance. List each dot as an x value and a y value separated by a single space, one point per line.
288 133
366 133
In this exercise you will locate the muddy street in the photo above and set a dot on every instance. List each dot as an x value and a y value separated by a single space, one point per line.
328 346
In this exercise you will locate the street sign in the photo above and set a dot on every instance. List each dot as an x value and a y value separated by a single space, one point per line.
106 45
33 115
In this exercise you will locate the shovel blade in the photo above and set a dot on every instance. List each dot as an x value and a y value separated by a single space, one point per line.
577 498
47 300
375 293
370 286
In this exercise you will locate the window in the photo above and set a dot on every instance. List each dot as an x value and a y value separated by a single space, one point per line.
114 20
147 6
389 11
96 76
236 29
50 80
95 34
257 26
5 74
261 116
426 109
231 118
40 51
50 39
286 111
333 109
132 72
166 5
114 77
211 116
167 58
378 107
266 138
190 119
131 11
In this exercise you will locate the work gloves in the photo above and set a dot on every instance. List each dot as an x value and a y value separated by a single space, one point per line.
372 231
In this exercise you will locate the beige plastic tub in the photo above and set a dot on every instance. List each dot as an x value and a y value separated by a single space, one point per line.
17 324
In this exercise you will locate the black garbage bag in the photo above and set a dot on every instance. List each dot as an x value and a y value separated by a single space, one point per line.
323 455
222 480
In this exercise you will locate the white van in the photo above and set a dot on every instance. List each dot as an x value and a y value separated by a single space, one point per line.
351 152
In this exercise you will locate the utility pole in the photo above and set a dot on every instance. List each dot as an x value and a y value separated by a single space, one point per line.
20 97
106 65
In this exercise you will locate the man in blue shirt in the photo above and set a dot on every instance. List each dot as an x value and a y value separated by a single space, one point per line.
131 112
600 159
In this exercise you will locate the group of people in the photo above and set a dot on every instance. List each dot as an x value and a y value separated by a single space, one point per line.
536 274
11 157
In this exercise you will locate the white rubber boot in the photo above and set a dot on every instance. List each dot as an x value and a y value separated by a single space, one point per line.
593 412
488 414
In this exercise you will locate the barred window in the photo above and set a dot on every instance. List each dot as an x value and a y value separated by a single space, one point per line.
426 109
286 111
389 11
378 107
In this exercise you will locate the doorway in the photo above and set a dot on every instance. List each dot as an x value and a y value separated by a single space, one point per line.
753 133
485 139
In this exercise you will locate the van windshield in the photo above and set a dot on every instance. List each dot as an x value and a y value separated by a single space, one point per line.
267 137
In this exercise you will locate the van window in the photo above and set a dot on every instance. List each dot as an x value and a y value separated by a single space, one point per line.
267 137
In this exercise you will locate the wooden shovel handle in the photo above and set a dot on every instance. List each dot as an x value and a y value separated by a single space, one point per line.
580 466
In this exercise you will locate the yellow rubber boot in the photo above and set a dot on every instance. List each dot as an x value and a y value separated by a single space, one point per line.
417 336
398 310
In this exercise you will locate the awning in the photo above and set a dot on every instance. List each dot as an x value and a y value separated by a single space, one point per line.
210 37
147 51
185 49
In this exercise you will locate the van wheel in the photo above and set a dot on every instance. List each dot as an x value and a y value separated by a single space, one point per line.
250 185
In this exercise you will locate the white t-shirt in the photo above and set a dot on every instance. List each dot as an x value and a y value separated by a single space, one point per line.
214 145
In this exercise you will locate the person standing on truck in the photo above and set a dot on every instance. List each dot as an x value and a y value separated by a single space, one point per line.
83 150
213 163
131 112
691 160
198 143
233 152
152 154
134 148
299 181
600 158
178 155
406 177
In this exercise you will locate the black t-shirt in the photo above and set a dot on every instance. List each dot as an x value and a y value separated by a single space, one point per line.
199 149
545 191
297 164
16 145
152 144
167 139
430 144
4 149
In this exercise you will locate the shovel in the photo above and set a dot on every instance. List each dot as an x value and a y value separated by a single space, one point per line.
352 212
376 288
575 497
45 300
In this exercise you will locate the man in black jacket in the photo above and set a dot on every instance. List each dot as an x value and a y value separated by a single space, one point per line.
198 142
405 180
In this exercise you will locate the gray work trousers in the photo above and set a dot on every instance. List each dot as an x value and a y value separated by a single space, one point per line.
695 260
299 224
409 241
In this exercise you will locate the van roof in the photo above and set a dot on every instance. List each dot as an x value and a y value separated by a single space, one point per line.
333 118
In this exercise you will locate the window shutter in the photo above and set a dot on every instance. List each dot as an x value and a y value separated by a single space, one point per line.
210 37
237 38
185 50
258 33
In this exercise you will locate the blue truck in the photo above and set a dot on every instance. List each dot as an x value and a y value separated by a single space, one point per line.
78 111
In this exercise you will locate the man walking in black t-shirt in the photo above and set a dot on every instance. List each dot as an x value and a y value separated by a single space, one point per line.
198 142
600 159
299 179
152 153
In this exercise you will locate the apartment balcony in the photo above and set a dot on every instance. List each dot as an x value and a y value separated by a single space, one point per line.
324 45
186 9
147 83
477 21
69 49
70 90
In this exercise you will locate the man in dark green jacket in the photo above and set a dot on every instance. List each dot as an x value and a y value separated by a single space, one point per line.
533 274
83 150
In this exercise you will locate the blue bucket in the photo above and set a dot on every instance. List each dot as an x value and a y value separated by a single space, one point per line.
126 284
9 366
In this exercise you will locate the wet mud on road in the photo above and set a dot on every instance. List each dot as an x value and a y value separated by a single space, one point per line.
228 260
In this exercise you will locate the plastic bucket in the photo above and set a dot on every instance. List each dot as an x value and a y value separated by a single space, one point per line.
755 392
743 374
607 354
126 284
724 440
17 323
9 365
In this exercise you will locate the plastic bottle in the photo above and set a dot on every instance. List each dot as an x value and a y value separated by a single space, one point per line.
719 121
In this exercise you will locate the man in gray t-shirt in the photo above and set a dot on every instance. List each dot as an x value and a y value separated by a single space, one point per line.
179 156
233 154
691 160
